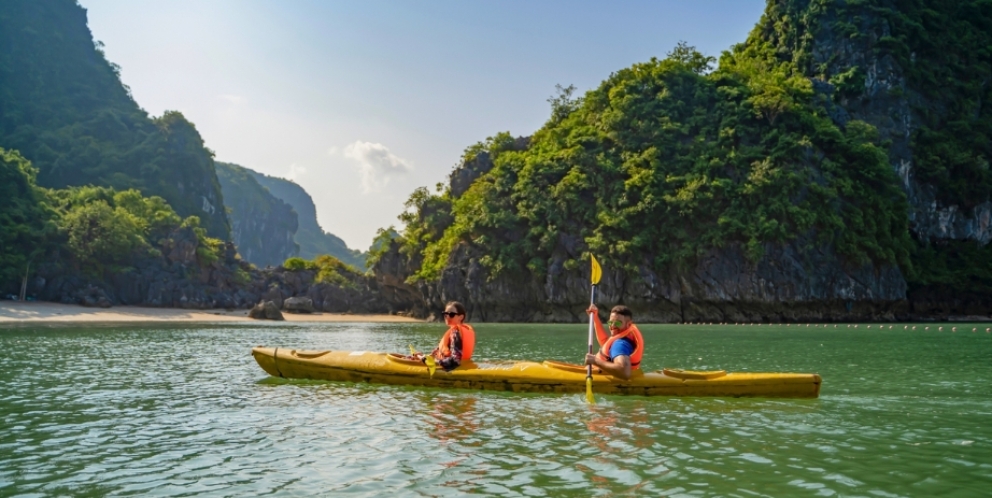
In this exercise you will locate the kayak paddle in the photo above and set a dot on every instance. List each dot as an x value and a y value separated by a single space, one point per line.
597 273
428 360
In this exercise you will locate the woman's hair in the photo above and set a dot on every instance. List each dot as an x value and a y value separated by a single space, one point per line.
623 310
459 307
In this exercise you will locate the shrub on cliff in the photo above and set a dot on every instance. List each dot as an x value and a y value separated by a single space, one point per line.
327 270
296 264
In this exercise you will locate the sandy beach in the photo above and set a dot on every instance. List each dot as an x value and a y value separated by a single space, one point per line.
40 312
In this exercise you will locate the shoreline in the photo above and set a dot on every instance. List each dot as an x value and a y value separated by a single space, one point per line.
16 312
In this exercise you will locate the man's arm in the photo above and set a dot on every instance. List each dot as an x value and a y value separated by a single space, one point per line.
601 334
619 367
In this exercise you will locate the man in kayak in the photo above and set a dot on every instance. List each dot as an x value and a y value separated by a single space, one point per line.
620 352
457 343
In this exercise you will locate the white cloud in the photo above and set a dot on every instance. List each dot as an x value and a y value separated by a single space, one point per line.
234 99
295 172
333 151
376 164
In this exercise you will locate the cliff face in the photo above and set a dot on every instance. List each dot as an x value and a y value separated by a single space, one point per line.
263 227
62 104
790 284
920 72
312 239
181 278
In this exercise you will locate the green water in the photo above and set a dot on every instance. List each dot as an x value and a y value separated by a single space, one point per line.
184 410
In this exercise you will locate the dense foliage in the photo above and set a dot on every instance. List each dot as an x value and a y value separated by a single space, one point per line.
63 106
667 160
105 230
26 221
94 230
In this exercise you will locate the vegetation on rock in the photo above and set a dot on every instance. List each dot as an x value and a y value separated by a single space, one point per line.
666 160
65 109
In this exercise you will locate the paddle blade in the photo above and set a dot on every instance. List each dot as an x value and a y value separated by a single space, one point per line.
431 364
597 272
589 397
413 352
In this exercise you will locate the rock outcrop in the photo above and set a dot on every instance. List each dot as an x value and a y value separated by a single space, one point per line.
266 310
298 305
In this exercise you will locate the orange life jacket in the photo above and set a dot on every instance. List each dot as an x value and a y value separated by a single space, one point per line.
630 333
468 341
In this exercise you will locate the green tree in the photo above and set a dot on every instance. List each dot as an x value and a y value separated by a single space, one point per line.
26 220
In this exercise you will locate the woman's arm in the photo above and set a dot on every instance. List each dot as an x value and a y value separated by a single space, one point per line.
451 362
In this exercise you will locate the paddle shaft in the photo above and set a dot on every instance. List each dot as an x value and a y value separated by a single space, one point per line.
592 301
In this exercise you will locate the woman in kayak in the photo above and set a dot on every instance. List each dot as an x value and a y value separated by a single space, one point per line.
457 343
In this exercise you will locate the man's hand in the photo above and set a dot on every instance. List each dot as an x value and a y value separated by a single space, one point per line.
592 309
591 360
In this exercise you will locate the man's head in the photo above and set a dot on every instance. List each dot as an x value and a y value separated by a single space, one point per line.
620 318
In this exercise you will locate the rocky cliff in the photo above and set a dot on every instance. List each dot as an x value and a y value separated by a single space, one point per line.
179 276
920 72
263 227
312 239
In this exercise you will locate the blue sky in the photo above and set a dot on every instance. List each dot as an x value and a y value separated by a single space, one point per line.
362 102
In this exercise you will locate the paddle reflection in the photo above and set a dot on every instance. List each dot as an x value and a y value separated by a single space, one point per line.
610 429
619 438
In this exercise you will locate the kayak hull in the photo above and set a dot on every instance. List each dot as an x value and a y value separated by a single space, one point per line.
526 376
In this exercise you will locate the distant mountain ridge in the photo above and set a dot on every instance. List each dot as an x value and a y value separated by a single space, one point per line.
309 236
263 226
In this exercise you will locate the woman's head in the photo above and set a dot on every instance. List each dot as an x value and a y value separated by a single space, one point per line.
454 312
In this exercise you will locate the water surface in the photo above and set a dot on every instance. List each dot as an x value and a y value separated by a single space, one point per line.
183 410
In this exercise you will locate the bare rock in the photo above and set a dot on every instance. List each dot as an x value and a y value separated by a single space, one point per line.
266 310
298 305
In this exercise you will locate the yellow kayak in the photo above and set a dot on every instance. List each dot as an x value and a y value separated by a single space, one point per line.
527 376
